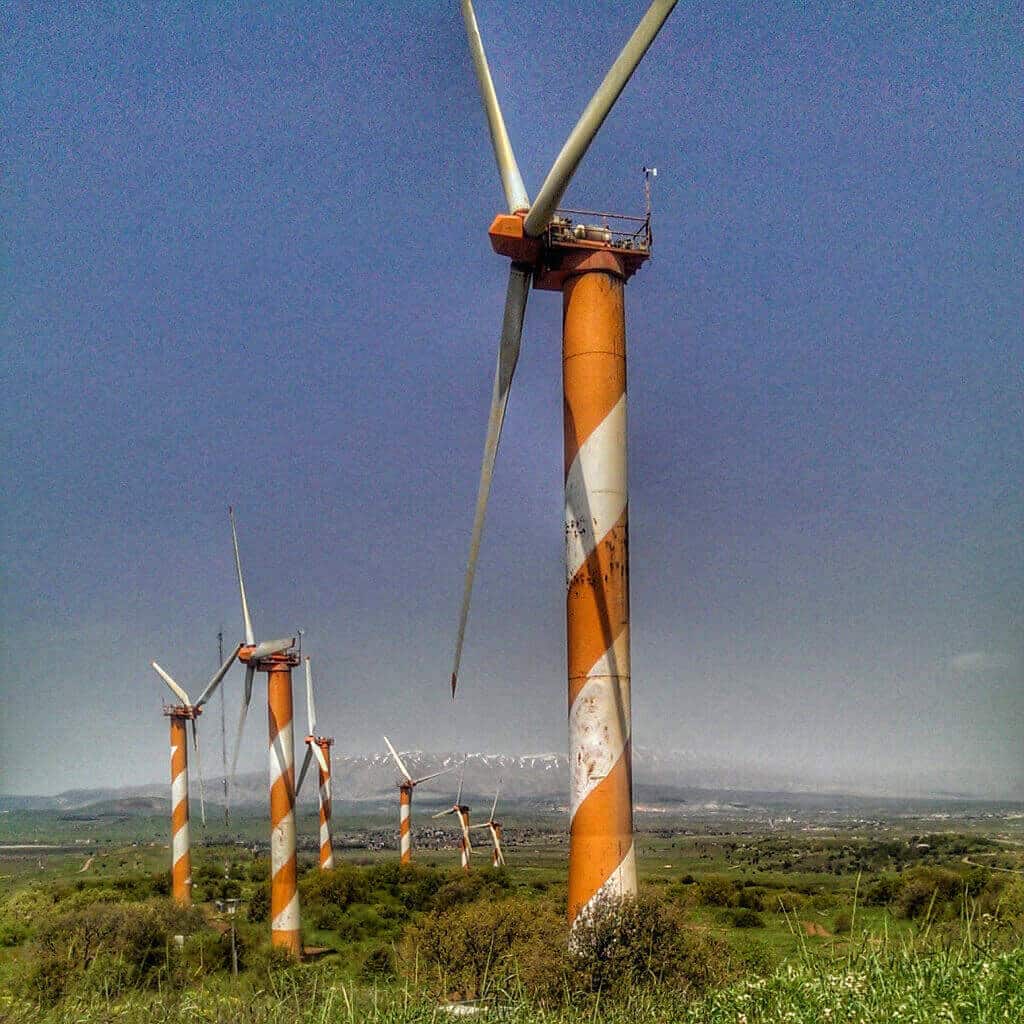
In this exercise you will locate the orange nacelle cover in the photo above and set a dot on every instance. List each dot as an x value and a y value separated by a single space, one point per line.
508 239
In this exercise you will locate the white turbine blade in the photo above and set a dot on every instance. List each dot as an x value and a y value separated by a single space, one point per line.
310 706
175 688
399 761
494 806
250 636
320 759
482 824
463 821
442 814
250 671
580 138
497 846
433 775
212 685
511 179
306 761
508 355
462 778
199 773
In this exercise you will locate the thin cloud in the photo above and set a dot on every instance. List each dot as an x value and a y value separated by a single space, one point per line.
972 662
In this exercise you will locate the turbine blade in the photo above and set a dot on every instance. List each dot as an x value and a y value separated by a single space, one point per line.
580 138
310 706
305 767
320 759
462 778
511 179
175 688
465 831
199 773
212 685
497 846
508 355
434 775
442 814
250 636
250 671
399 761
266 648
494 806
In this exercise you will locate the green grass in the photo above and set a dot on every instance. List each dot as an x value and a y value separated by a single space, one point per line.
902 985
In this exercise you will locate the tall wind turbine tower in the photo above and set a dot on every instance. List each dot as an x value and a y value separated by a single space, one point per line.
320 748
588 257
276 658
179 715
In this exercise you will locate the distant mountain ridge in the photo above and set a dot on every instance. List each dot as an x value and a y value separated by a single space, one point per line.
541 779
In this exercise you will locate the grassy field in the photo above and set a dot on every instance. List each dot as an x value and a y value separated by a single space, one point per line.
858 922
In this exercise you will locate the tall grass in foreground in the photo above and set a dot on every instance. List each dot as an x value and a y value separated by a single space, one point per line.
896 986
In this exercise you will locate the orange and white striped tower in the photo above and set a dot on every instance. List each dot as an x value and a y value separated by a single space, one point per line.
324 768
276 658
284 890
179 714
494 827
465 850
601 854
586 255
405 788
318 748
181 846
405 822
461 811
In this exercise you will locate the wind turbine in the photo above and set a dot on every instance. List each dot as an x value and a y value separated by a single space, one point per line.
589 264
179 714
320 748
497 857
405 788
277 658
459 808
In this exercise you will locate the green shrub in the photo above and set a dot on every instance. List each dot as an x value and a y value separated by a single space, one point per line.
882 891
379 963
258 907
751 898
717 891
471 950
627 947
105 947
843 922
926 889
744 917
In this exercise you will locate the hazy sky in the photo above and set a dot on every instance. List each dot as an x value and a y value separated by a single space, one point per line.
246 261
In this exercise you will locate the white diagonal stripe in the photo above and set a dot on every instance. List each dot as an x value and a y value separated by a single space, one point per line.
595 488
288 919
599 727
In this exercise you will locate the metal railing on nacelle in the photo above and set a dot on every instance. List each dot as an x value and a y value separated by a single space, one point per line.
619 230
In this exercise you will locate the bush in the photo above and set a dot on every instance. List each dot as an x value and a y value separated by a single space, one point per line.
751 898
473 950
843 922
717 891
379 963
744 917
926 889
882 891
105 947
644 942
258 908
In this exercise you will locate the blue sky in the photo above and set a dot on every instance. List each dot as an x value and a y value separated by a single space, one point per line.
246 262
